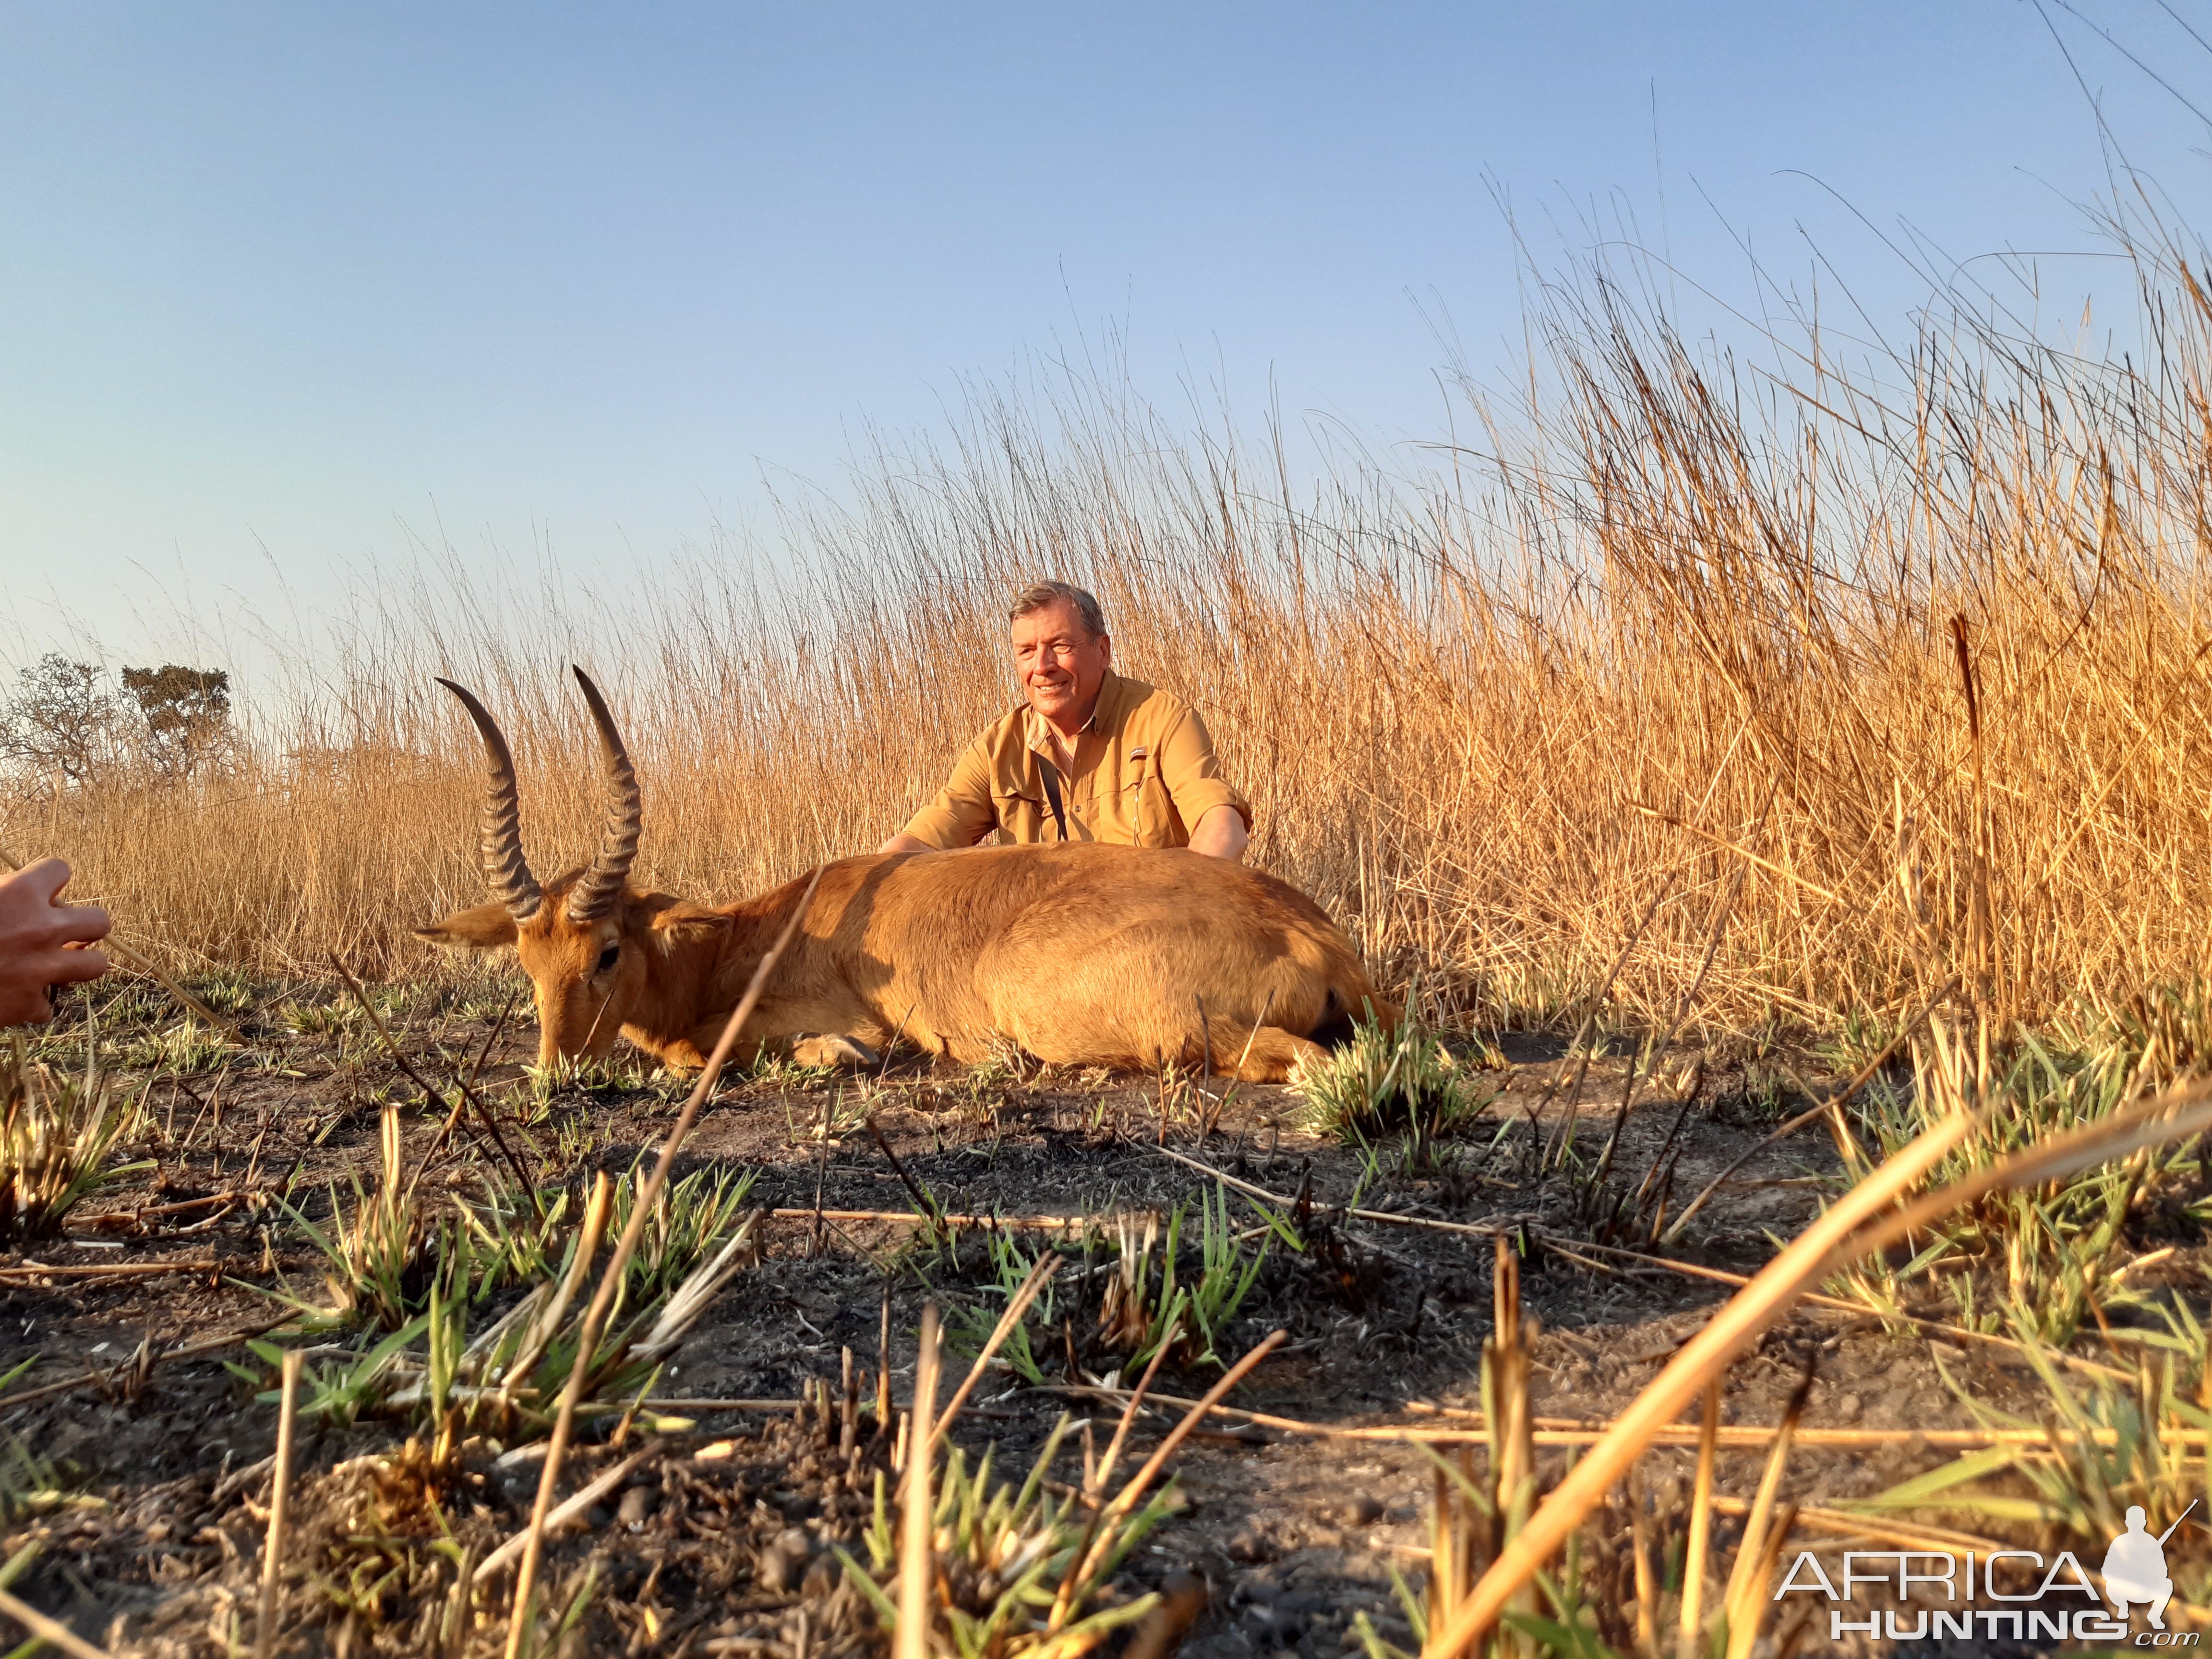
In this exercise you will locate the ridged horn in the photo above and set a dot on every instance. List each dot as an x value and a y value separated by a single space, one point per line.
505 868
596 889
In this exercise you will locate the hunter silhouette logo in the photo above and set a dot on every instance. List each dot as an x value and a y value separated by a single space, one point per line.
2134 1569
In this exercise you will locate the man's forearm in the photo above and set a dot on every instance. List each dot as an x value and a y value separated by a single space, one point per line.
1220 834
903 842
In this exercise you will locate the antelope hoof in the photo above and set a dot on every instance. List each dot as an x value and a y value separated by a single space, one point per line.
847 1052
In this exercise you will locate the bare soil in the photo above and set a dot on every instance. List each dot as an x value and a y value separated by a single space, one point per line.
715 1543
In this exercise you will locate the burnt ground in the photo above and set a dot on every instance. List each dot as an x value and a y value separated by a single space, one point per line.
714 1546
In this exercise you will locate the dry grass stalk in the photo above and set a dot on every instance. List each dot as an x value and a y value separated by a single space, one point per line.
1745 1598
1470 1229
1858 1080
93 1378
138 1215
569 1510
48 1629
1127 1498
280 1497
595 1317
1183 1598
1506 1359
1748 1437
1457 1529
1701 1523
1932 1327
1095 1478
1717 1275
1702 1356
670 1403
547 1322
1017 1306
1866 1219
1566 1431
1647 1580
916 1578
1910 1535
909 1217
1748 1611
1076 1584
31 1274
399 1056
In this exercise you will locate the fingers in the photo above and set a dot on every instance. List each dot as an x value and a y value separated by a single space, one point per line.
23 1000
42 880
24 1004
43 941
33 915
76 967
81 924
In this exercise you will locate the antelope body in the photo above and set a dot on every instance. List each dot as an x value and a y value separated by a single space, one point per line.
1080 953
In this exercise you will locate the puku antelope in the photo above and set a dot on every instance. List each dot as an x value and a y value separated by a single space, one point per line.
1081 954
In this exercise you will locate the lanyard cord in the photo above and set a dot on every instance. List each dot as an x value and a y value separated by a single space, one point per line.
1052 793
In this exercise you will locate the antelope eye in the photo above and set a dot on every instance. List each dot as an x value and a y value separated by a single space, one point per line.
607 957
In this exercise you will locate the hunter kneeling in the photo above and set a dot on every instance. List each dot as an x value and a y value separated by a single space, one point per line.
1088 755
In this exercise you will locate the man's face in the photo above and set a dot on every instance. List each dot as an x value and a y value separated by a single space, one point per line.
1061 663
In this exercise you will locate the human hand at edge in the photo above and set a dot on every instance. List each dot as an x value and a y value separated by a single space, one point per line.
42 941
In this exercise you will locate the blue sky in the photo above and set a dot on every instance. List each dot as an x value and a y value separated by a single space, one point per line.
280 284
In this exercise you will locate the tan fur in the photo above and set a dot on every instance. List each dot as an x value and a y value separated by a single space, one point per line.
1082 954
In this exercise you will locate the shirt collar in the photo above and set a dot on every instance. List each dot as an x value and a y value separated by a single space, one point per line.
1040 738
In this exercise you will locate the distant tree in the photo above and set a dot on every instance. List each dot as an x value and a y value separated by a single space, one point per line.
59 722
184 713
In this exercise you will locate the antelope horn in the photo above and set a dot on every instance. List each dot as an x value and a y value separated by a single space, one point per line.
589 898
505 868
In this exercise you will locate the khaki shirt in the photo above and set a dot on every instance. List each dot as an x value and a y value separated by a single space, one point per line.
1145 772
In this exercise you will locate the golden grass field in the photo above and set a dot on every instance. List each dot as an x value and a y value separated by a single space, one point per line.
1770 700
1679 641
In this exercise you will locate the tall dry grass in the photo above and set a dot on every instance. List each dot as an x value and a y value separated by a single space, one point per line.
1679 615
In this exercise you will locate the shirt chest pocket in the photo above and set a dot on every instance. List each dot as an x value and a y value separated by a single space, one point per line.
1145 806
1021 817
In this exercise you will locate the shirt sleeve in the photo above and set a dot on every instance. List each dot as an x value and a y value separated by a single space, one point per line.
962 814
1191 773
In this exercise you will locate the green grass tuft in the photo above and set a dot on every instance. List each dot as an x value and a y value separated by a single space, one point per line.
56 1133
1384 1083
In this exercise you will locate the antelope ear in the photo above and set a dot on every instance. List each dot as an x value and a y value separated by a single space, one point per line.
486 928
677 922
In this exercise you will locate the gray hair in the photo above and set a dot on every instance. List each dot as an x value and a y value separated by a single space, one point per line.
1037 595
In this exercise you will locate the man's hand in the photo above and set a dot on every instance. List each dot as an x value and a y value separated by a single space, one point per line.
42 941
1220 834
903 842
